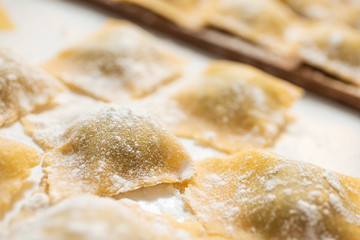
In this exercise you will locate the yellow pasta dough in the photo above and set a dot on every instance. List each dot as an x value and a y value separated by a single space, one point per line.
318 9
233 106
190 14
23 88
334 49
264 22
118 63
90 217
113 150
260 195
16 160
346 12
48 128
4 21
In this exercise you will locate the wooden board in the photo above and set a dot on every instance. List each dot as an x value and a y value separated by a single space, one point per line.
292 70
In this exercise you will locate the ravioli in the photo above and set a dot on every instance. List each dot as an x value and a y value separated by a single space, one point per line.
190 14
334 49
264 22
118 63
16 161
91 217
23 88
260 195
233 106
113 150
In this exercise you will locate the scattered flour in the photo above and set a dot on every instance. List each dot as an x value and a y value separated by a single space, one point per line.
322 133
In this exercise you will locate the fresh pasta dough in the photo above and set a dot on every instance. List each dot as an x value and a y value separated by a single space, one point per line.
190 14
334 49
16 161
346 12
318 9
4 21
112 150
260 195
233 106
264 22
91 217
118 63
48 128
23 88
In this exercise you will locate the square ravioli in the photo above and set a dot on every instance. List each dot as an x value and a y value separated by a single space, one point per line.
334 49
23 87
190 14
232 106
118 63
260 195
16 161
111 149
264 22
91 217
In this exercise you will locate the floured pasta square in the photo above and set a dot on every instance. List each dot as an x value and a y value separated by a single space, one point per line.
190 14
264 22
113 149
91 217
118 63
260 195
23 88
232 106
16 161
334 49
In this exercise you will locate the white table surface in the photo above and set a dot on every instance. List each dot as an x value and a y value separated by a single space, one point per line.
325 133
